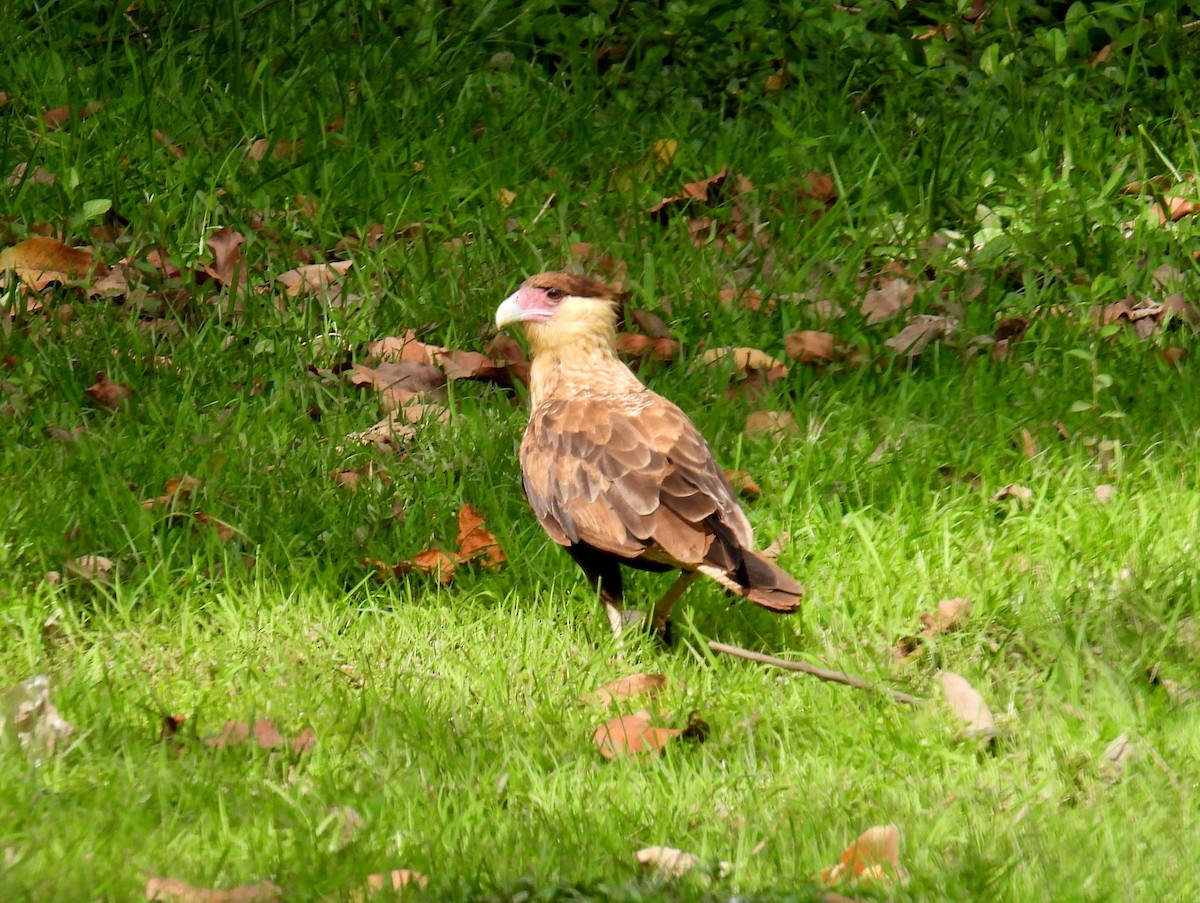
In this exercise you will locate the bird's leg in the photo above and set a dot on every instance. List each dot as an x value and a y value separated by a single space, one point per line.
659 620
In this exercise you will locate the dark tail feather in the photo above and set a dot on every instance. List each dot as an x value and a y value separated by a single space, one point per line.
760 580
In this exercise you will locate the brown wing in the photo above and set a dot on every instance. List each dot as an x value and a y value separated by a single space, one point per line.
632 476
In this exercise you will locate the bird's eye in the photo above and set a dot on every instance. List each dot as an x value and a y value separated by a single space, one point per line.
554 294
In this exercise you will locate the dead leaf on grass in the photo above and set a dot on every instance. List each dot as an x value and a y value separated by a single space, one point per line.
810 346
633 345
265 735
671 864
30 720
774 424
21 175
173 149
90 568
1115 757
743 484
703 191
107 393
924 329
950 615
41 260
1105 493
349 479
964 701
60 116
172 890
1028 444
1022 494
743 359
632 735
887 300
874 856
623 688
390 434
279 150
178 490
321 279
475 544
227 267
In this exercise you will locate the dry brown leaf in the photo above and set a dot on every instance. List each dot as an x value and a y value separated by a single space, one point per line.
633 345
874 856
227 267
950 615
176 490
322 279
506 197
349 479
173 149
474 541
743 359
1023 494
410 376
1115 757
964 700
41 260
650 323
20 174
810 346
1177 208
90 568
668 862
771 423
265 735
279 150
29 718
887 300
924 329
634 685
1105 493
60 116
632 735
743 484
107 393
1028 444
172 890
389 434
815 186
703 191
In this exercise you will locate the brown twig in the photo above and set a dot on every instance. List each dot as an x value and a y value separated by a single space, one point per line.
836 677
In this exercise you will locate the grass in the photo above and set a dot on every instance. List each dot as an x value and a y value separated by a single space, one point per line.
448 717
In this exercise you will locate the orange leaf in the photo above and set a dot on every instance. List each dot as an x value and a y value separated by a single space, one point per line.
107 393
631 735
810 346
633 685
318 278
475 541
875 855
40 261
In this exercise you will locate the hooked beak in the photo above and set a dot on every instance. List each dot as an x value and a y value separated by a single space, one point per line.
509 311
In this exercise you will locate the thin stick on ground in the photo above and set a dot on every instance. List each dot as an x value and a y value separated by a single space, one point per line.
836 677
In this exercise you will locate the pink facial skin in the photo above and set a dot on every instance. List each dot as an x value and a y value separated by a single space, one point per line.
528 305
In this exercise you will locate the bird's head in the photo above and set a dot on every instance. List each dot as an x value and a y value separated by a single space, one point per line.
561 310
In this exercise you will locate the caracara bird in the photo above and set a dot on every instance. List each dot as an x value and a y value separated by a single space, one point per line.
615 472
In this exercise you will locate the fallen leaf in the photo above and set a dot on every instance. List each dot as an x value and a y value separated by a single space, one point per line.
1105 493
90 568
389 434
178 490
965 701
1022 494
810 346
633 345
474 541
1115 757
174 150
1028 444
669 862
1176 208
321 279
743 484
949 616
60 116
632 735
349 479
107 393
815 186
924 329
634 685
887 300
649 323
172 890
41 260
20 175
702 191
227 267
663 152
265 735
875 855
411 376
771 423
279 150
30 720
506 198
743 359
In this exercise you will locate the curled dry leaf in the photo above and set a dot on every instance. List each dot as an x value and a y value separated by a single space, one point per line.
649 323
279 150
964 700
90 568
633 345
632 735
743 484
265 735
1022 494
874 856
60 116
173 149
227 267
671 864
816 186
29 719
743 359
322 279
634 685
924 329
1115 757
950 615
20 174
178 490
771 423
389 434
172 890
41 260
475 544
703 191
107 393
